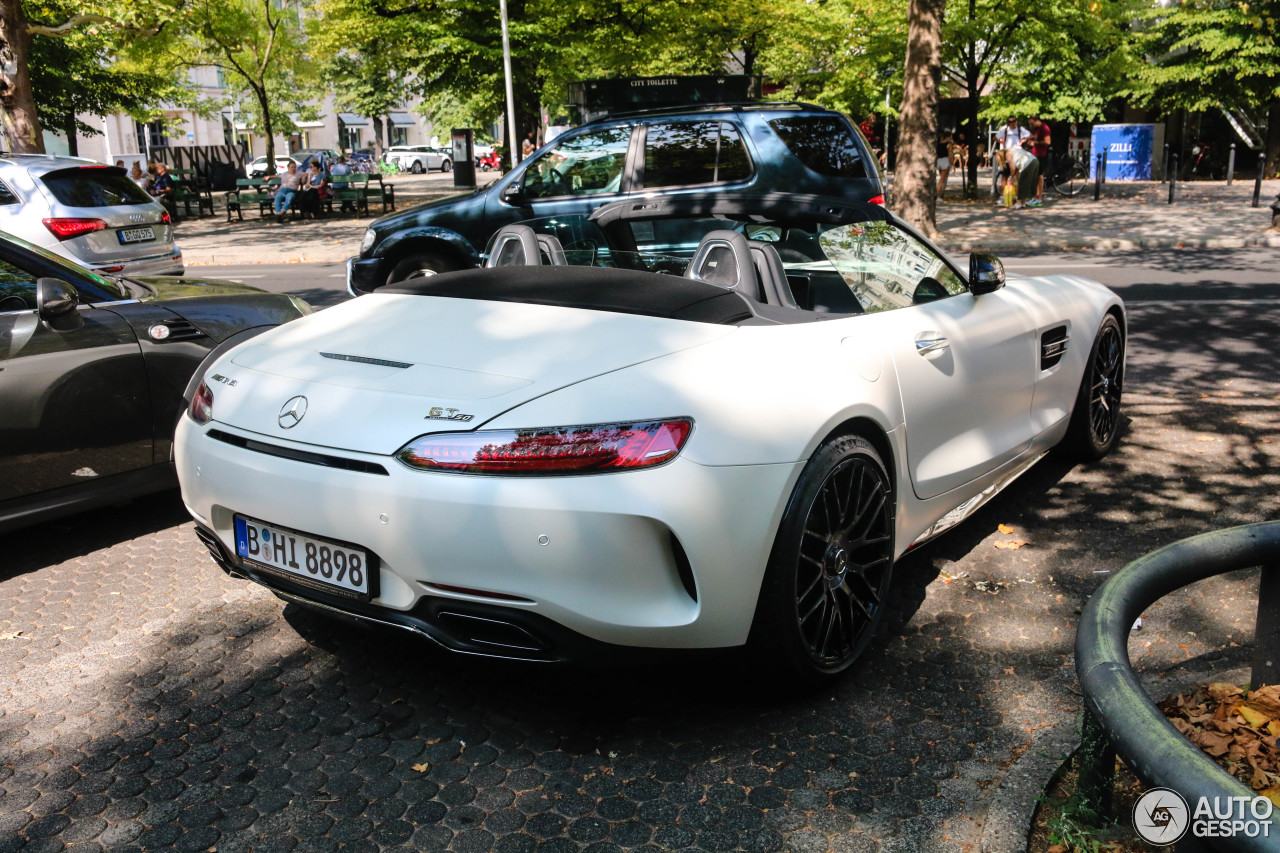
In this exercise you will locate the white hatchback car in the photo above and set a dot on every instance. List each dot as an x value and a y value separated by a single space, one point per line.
88 213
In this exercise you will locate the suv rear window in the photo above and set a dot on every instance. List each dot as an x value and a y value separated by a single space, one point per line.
686 153
93 187
823 143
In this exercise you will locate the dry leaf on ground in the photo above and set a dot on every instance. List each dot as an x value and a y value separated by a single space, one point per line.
1010 544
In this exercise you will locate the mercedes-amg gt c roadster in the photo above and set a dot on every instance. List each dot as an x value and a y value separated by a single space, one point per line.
681 423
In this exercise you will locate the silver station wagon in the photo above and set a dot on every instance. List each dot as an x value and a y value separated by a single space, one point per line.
88 213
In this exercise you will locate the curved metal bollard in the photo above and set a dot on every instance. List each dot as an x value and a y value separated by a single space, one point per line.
1158 753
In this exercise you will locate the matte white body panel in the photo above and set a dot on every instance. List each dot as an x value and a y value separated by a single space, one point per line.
762 398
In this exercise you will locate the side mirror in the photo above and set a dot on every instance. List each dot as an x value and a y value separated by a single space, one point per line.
56 302
513 194
986 273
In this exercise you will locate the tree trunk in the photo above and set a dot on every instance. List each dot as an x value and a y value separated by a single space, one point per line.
73 139
916 181
972 105
17 101
377 136
1272 146
260 92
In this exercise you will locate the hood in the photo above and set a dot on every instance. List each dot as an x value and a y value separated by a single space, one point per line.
169 287
381 370
411 213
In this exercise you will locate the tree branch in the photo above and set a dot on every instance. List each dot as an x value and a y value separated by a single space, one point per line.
86 18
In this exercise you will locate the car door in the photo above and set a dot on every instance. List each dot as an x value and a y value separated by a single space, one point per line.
966 363
574 175
74 405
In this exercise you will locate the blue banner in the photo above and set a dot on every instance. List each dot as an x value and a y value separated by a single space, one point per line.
1130 151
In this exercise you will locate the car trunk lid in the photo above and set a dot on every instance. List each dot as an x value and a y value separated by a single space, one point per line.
381 370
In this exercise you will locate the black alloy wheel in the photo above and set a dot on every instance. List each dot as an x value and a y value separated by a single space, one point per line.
828 579
1095 423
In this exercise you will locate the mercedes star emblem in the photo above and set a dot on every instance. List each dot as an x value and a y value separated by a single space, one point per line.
292 412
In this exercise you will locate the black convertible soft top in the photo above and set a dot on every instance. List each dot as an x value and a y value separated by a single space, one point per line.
595 288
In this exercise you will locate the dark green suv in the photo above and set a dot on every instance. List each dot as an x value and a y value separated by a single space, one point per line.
732 148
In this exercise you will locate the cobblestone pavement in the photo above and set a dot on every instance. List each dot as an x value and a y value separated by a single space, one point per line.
149 703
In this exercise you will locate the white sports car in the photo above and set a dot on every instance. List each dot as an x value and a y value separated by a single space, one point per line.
679 423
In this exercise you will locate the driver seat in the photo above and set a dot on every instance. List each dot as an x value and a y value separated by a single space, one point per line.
723 258
520 246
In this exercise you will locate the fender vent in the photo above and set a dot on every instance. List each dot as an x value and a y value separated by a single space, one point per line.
360 359
179 330
1053 345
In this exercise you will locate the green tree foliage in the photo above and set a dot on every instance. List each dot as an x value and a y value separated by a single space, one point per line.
96 32
1207 53
363 80
261 46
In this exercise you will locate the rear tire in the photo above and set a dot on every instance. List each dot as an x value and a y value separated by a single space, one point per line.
827 583
1071 180
420 265
1095 420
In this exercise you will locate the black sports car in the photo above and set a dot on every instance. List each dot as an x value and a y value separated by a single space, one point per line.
95 370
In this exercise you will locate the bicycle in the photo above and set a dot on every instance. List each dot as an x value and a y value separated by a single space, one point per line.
1068 176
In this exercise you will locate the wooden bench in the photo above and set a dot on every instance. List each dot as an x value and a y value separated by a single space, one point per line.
349 191
386 193
252 191
188 187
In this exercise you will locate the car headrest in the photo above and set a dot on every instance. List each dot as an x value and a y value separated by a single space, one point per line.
723 258
521 246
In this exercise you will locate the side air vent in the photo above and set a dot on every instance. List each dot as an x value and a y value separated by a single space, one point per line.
177 329
323 459
360 359
1053 345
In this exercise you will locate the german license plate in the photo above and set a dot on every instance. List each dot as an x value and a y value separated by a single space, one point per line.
318 562
137 235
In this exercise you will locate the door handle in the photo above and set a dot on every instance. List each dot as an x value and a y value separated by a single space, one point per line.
931 343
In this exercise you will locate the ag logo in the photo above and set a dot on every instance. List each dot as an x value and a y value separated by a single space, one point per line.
292 412
1161 816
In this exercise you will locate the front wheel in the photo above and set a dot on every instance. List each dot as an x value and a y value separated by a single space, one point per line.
827 583
1095 421
446 166
418 266
416 168
1070 178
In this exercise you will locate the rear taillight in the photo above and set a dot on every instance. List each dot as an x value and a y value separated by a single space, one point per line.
201 408
548 451
876 199
164 218
65 228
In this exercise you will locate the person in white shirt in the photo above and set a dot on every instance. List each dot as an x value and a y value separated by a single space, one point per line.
1012 135
1024 172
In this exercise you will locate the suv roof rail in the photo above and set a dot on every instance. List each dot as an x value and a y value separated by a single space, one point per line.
711 105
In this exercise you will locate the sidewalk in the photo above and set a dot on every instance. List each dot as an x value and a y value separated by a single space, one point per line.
1128 216
1205 215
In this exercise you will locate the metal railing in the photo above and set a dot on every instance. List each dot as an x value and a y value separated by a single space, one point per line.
1120 718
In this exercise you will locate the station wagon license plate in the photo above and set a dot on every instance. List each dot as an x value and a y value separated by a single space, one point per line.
137 235
320 563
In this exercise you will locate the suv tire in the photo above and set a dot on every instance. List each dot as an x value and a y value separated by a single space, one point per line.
420 265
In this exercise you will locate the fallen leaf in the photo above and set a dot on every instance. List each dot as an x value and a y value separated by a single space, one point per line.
422 768
1004 528
1010 544
1205 438
1253 716
1272 794
10 635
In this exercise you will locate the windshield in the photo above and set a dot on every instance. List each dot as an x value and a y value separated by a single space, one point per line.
853 268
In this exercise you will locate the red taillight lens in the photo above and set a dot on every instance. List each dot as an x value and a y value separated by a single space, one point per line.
65 228
876 199
164 218
201 408
594 449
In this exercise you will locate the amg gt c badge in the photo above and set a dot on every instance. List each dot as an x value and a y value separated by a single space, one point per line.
292 412
438 413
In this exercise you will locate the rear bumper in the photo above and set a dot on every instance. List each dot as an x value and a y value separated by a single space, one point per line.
169 263
364 275
670 557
